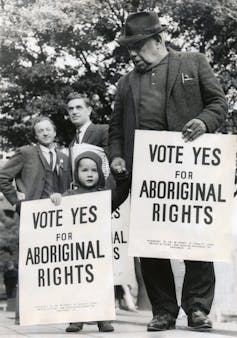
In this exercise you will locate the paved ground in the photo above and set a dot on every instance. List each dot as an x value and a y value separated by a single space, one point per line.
127 325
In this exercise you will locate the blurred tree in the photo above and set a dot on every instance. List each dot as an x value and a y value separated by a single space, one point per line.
51 48
34 76
209 27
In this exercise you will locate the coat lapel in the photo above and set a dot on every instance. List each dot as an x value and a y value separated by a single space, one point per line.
134 81
42 158
88 133
173 69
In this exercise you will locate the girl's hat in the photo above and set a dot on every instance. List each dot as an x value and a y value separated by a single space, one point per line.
94 157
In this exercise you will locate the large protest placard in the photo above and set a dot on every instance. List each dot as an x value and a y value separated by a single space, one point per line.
65 264
124 270
182 196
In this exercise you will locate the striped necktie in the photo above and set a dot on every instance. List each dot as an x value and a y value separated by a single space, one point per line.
51 159
78 135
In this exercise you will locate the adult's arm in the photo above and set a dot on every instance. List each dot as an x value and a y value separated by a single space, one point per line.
116 128
7 175
215 105
120 192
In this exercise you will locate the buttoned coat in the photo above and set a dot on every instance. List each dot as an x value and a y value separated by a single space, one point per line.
28 168
192 92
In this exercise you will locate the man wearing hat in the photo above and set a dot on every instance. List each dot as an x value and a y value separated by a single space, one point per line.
173 91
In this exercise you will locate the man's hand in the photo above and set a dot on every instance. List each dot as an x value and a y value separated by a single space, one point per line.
118 165
193 129
118 168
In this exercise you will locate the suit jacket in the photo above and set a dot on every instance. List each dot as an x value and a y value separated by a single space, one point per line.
192 92
28 168
97 135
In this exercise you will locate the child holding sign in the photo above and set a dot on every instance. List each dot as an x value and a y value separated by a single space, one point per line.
89 177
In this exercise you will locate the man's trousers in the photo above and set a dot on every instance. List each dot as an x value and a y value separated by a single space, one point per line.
198 286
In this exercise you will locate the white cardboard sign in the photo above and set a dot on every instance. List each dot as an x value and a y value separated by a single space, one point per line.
182 196
65 265
124 270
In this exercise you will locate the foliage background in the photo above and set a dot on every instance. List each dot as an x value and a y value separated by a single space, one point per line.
49 48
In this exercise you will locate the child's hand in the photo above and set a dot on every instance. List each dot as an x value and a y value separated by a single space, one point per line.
20 195
56 198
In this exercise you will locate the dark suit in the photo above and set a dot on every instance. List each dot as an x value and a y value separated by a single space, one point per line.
28 167
97 135
201 97
198 97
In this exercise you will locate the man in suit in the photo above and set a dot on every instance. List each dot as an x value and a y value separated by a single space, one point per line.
38 170
79 110
173 91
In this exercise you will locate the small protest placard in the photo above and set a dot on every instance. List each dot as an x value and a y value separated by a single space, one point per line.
182 196
65 263
124 270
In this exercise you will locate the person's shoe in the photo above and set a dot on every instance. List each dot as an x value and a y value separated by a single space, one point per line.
74 327
105 326
161 322
199 320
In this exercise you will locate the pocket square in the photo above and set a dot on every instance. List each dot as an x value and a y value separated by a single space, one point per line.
186 77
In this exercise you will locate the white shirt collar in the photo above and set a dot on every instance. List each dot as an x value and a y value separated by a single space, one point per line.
46 149
84 127
83 130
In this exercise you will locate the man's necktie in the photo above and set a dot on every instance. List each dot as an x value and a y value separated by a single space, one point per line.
78 136
51 160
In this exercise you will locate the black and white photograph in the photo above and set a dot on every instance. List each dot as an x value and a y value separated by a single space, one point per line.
118 168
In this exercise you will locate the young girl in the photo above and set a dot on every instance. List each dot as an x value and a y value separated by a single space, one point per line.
89 177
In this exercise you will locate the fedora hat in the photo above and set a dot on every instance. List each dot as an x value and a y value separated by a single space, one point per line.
140 26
